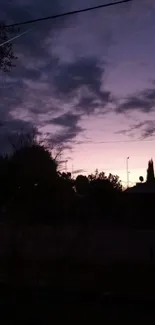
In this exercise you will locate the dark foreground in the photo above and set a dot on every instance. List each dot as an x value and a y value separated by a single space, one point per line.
32 305
102 294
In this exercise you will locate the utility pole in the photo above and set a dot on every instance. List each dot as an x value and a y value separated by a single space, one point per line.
66 165
127 170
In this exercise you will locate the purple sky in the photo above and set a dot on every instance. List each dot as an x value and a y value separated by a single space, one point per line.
83 81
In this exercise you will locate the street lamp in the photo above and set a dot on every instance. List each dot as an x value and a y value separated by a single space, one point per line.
127 170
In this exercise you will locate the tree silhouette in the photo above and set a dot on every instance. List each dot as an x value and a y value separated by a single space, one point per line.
7 57
24 139
33 191
33 165
104 193
110 182
66 176
81 184
150 172
115 182
35 177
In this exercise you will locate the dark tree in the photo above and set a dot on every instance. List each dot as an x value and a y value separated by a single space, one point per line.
24 139
115 182
150 172
33 184
82 185
7 57
66 176
33 165
104 194
110 182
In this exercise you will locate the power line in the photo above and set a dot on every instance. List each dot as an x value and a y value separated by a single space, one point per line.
125 141
68 13
124 169
120 141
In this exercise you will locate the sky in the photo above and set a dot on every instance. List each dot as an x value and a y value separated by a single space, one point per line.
86 82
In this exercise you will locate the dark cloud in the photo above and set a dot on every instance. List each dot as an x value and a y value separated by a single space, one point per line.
90 104
84 142
42 83
9 131
26 97
123 132
68 135
144 101
133 128
145 129
70 130
87 104
32 44
15 11
66 120
82 82
135 103
16 125
149 130
35 64
78 171
84 72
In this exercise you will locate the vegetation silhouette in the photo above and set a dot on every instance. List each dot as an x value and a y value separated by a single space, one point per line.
34 191
35 194
7 57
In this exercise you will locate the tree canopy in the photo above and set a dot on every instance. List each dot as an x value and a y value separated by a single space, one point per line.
7 57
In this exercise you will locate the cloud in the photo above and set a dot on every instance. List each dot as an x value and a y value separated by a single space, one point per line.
91 103
66 120
26 9
36 95
81 82
9 131
61 66
70 128
27 90
88 104
78 171
143 101
122 132
149 130
83 72
65 137
145 128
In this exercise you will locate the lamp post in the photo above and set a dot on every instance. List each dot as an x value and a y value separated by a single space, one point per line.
127 170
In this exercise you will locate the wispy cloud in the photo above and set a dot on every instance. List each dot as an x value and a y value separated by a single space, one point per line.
70 128
144 129
144 101
78 171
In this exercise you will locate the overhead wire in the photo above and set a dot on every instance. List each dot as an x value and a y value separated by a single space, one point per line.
126 141
120 141
57 16
68 13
